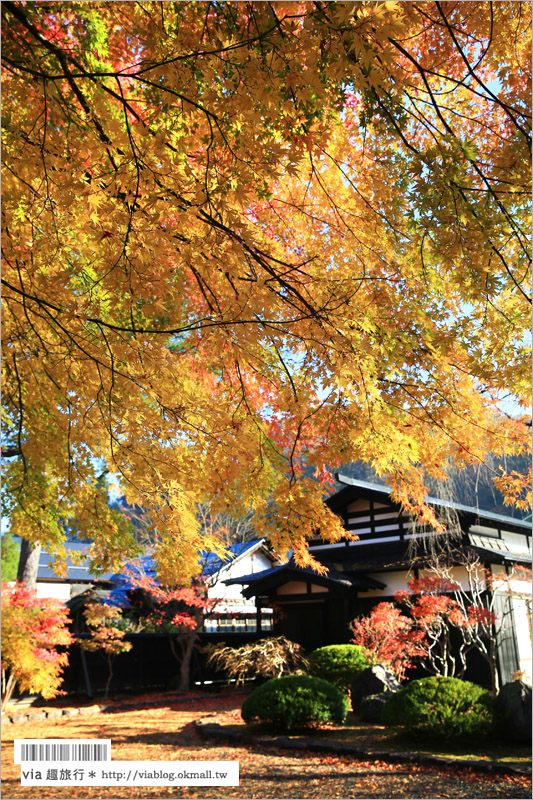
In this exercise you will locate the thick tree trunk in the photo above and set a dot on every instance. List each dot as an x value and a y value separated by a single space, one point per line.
184 659
28 563
185 666
8 687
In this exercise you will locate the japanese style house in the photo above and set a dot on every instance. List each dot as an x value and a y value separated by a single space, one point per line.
316 609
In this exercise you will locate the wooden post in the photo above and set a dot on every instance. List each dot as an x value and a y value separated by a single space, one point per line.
347 620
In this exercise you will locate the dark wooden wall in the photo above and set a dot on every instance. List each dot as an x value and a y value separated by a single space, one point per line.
149 665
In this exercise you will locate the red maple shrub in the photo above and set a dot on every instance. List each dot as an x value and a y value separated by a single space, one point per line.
32 628
387 636
440 608
176 611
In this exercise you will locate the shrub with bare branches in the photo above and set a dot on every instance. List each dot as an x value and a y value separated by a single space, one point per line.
266 658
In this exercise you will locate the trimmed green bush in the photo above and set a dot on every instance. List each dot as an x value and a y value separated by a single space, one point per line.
338 663
295 701
441 708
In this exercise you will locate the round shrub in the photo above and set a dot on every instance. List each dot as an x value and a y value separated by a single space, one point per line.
295 701
441 708
338 663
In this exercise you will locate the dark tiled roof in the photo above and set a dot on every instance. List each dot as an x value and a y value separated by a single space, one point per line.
333 576
338 500
386 556
76 573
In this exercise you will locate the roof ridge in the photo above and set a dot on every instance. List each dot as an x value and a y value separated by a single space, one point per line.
384 489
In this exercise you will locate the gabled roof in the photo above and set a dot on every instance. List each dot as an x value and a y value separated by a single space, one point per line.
212 563
259 582
346 495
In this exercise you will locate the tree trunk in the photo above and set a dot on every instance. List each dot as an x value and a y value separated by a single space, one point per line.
185 666
8 687
493 664
186 655
28 563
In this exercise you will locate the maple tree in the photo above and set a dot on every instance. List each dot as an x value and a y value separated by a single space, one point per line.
440 604
106 635
177 611
32 628
235 233
437 613
390 637
446 620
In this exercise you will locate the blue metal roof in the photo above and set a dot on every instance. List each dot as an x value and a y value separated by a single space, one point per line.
123 582
210 563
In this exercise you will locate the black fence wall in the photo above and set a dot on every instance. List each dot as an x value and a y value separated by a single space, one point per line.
148 665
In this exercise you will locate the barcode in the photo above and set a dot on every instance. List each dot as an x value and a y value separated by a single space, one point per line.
63 752
58 750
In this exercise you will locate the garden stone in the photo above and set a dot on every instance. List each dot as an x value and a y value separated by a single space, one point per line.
16 719
53 713
373 680
514 704
371 707
36 716
88 711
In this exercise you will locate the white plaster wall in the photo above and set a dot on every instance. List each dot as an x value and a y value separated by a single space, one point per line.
395 581
517 540
460 576
56 591
293 587
231 597
506 584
